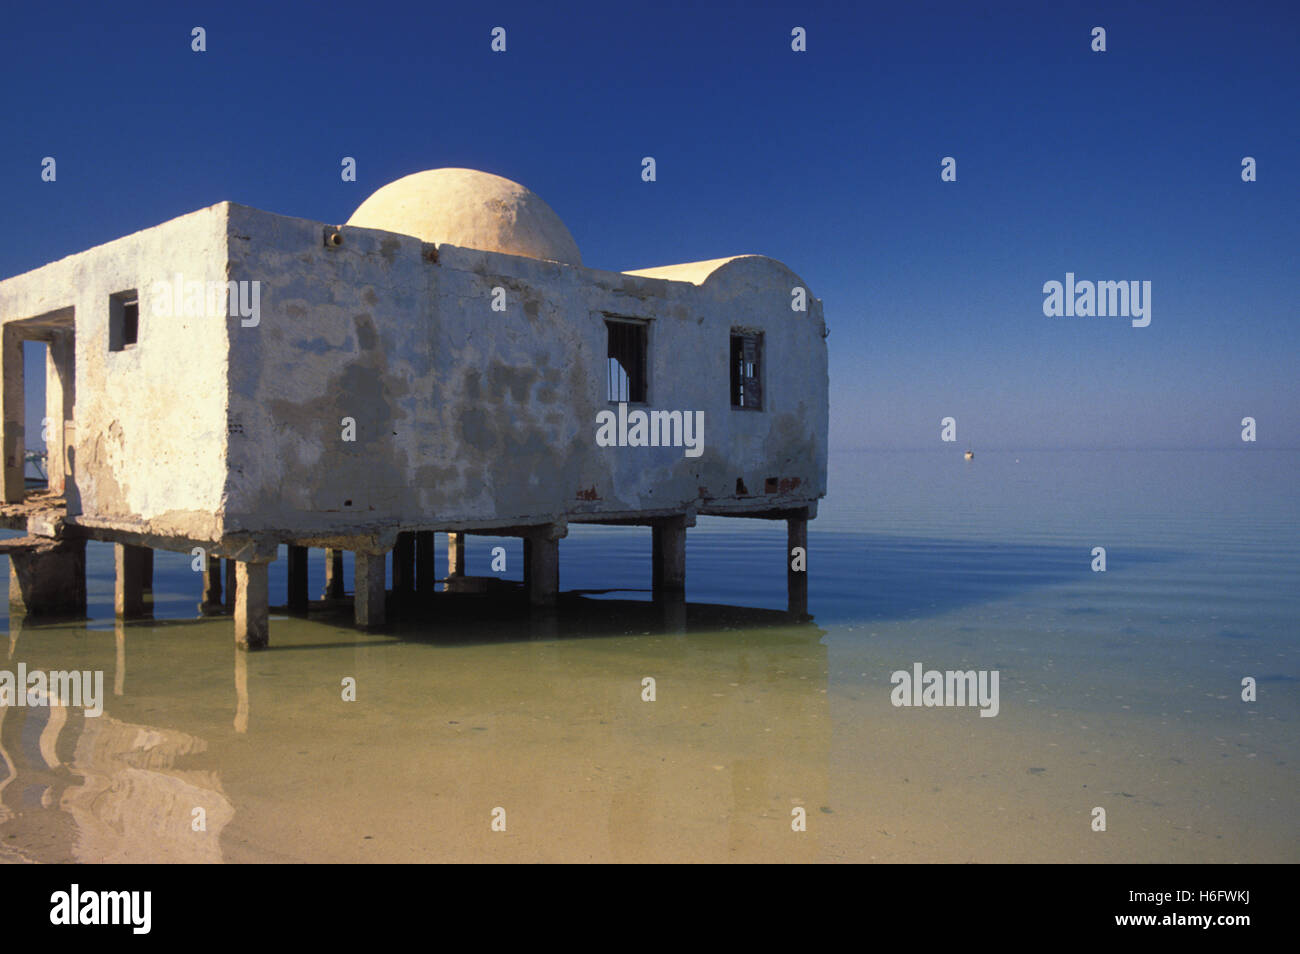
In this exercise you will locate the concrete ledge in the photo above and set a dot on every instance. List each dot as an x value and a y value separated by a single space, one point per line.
27 544
40 511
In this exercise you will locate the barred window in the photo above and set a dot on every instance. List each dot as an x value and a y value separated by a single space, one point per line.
747 370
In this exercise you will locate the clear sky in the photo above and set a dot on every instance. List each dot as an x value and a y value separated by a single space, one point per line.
1122 165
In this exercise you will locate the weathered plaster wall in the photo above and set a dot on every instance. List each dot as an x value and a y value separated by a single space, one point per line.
470 417
149 452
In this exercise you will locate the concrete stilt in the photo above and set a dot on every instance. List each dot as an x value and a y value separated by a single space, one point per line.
232 585
544 624
297 571
128 589
542 568
404 565
425 576
673 608
369 605
252 626
49 582
333 575
13 414
455 554
796 580
146 570
668 539
211 604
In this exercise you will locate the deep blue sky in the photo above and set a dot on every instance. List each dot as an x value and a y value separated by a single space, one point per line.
1115 165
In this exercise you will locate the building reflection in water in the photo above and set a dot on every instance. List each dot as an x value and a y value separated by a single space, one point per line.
453 716
99 789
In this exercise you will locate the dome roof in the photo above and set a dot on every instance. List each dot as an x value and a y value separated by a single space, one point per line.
471 209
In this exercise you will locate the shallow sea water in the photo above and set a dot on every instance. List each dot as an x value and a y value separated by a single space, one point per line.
1119 690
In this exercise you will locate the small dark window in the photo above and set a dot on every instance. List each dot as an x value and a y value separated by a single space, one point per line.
627 360
747 370
123 320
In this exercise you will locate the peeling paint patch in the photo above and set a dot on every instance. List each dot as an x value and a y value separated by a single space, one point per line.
518 381
472 384
367 337
312 345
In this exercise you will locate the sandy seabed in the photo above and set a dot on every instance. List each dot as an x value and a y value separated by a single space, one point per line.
552 737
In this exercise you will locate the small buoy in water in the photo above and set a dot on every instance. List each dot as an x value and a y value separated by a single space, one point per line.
970 455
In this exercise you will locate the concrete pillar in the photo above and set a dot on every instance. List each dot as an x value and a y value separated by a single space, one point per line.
297 572
673 609
455 554
425 575
60 398
252 598
333 575
368 606
211 604
796 581
544 625
49 582
146 570
13 414
232 586
668 543
404 565
128 588
542 568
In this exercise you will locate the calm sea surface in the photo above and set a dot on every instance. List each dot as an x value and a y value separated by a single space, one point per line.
1119 690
